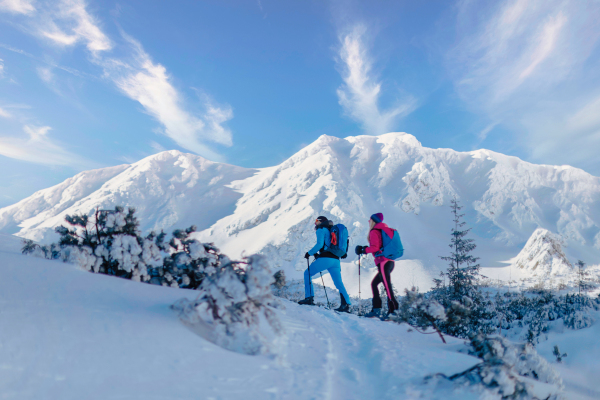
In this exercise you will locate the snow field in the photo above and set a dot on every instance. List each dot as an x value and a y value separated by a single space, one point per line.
70 334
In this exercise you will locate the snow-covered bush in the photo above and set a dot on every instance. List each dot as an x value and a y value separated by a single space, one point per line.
420 312
233 308
507 371
109 242
470 312
535 312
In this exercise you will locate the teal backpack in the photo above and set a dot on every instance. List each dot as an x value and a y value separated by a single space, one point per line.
392 246
337 240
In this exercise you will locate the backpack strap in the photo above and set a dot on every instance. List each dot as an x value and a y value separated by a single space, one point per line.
380 252
324 245
381 248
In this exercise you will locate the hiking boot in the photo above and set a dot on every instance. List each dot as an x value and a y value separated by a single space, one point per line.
309 301
375 313
387 316
344 307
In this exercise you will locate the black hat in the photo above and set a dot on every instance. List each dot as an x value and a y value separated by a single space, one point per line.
323 220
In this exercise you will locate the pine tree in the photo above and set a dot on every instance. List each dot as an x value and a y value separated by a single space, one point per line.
582 274
463 302
463 270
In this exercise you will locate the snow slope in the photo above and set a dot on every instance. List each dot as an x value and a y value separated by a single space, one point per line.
271 210
70 334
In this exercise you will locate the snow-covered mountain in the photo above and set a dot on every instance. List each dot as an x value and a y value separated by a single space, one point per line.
272 210
167 189
543 255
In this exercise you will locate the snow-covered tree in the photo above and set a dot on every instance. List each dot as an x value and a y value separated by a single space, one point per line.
109 242
420 312
582 277
463 270
233 308
465 307
507 371
186 259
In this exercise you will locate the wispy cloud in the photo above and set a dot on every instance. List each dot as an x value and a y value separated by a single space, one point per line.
519 62
37 147
483 134
14 49
148 83
17 6
4 113
523 41
45 74
360 93
157 146
70 23
1 68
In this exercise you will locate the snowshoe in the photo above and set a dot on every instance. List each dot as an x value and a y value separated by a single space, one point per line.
309 301
375 313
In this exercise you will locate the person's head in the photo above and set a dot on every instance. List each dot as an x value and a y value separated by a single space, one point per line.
375 219
321 221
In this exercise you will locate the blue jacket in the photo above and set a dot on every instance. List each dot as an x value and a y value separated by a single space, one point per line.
321 234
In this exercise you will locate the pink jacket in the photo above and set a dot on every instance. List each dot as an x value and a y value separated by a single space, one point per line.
376 242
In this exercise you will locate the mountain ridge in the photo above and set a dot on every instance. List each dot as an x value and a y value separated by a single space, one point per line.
271 210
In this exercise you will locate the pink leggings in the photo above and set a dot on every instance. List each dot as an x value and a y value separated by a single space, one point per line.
383 276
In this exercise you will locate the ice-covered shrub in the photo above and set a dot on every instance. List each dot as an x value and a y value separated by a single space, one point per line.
535 312
507 371
109 242
187 260
233 309
420 312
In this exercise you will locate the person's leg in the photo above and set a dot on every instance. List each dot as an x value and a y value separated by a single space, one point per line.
308 289
317 266
336 276
387 270
374 287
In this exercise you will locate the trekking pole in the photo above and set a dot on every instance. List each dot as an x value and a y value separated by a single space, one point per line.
310 278
359 303
327 297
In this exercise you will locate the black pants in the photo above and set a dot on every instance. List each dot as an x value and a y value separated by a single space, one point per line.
384 277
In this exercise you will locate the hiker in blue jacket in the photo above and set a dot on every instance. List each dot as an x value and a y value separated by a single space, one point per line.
324 260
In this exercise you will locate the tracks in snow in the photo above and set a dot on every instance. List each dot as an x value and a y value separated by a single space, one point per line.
345 351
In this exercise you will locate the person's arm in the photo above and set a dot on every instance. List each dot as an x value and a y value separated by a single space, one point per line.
375 241
320 242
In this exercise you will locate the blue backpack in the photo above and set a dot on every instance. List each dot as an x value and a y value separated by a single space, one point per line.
337 240
392 246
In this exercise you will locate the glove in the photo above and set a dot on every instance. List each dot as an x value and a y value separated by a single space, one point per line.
345 255
307 256
360 250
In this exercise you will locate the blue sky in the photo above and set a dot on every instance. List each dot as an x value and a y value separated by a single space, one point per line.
88 84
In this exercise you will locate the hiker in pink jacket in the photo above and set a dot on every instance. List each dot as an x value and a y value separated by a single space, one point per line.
384 265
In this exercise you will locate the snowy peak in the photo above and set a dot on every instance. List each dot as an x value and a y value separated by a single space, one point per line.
46 203
165 188
271 210
543 255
